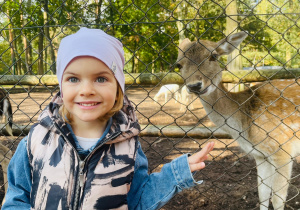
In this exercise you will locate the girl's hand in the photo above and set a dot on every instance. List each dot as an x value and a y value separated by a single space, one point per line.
196 160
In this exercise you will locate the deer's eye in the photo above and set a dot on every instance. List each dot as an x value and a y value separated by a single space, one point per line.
178 66
213 57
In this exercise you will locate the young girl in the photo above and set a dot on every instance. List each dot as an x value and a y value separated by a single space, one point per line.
84 151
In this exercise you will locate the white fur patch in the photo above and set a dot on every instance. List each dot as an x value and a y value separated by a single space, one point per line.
210 89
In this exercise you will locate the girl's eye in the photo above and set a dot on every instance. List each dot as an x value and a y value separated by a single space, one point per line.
73 79
101 79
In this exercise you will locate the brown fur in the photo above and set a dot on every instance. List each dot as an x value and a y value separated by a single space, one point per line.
264 119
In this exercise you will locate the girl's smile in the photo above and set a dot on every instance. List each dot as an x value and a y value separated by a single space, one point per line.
88 105
89 90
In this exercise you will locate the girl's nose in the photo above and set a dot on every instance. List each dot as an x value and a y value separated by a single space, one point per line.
87 88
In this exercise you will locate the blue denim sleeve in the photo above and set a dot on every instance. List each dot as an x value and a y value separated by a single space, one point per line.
19 180
149 192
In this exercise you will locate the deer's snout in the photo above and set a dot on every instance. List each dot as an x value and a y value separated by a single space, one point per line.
195 88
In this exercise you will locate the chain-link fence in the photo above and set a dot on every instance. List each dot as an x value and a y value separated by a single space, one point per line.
263 120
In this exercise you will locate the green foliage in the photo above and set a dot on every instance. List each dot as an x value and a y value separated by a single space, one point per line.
4 57
274 31
148 30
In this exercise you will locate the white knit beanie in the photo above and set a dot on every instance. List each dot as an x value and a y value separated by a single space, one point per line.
95 43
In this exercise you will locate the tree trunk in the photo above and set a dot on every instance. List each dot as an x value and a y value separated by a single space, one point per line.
12 43
197 30
12 53
25 43
136 64
29 51
288 53
16 60
180 25
112 25
153 66
28 48
21 66
41 54
133 58
98 11
47 34
234 61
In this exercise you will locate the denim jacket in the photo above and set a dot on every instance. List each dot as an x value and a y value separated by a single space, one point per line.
146 191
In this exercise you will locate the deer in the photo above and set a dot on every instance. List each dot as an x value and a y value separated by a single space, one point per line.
264 119
165 90
6 110
5 152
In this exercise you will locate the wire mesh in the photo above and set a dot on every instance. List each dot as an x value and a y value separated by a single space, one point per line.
175 122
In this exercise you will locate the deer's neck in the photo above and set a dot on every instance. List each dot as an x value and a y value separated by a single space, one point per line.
220 100
223 108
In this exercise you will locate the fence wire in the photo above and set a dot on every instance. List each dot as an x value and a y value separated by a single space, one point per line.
263 120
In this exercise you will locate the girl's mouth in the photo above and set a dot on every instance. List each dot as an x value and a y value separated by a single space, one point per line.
88 104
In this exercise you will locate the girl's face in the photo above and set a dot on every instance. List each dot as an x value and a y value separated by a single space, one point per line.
89 89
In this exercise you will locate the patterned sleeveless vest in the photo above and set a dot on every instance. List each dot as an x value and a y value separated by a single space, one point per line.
62 180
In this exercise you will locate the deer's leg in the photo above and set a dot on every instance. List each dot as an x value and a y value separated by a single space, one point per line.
281 182
265 170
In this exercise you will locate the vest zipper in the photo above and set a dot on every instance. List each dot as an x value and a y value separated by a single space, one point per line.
81 167
80 179
79 183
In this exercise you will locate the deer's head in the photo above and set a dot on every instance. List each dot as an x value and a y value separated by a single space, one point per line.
199 65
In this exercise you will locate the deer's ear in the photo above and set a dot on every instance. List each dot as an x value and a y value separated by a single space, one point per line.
184 42
230 43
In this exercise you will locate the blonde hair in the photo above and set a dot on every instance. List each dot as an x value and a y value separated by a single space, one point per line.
67 117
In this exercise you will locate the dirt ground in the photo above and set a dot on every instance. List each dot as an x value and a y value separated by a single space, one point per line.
230 175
